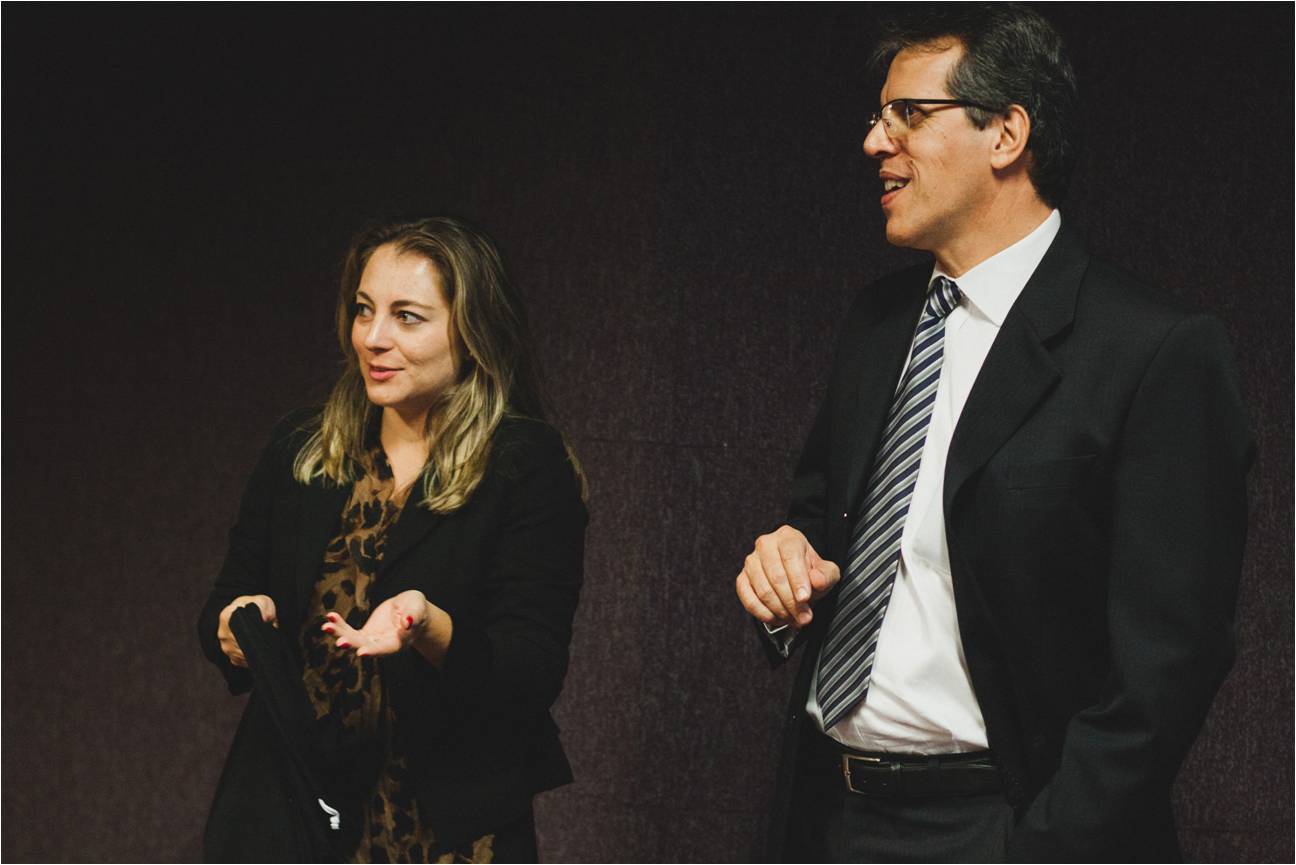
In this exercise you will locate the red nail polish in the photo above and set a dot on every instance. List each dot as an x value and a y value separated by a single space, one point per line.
409 621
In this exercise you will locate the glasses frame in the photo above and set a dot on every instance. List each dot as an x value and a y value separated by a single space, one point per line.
877 116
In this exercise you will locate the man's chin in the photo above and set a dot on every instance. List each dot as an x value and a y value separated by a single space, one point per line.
898 234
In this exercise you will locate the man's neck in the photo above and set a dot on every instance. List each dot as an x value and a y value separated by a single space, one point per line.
1007 220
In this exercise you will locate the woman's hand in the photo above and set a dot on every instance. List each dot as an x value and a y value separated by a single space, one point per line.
408 619
228 644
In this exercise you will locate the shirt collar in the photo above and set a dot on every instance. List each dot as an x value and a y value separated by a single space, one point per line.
994 285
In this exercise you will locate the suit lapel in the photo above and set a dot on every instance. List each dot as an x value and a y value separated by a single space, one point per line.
889 336
1018 371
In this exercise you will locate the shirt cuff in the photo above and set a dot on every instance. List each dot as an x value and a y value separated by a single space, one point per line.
781 637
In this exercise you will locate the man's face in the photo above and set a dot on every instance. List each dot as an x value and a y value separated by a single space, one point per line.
942 160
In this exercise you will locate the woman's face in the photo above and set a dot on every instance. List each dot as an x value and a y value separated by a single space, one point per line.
401 332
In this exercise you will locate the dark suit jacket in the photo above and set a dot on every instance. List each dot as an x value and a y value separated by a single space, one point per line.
1095 512
507 567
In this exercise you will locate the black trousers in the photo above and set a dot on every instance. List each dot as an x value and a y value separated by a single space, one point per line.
830 824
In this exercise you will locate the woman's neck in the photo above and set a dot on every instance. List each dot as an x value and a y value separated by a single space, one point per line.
404 441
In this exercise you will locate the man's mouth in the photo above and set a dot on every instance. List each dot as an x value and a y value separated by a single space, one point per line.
891 187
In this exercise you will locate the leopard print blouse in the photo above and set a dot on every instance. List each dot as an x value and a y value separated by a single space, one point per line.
349 688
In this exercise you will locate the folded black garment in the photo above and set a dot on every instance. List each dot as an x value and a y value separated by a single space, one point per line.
272 804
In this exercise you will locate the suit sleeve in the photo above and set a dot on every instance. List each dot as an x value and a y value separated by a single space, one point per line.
245 569
514 652
1178 527
810 481
806 515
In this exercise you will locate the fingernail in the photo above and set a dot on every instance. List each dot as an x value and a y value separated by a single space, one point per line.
409 621
802 594
343 644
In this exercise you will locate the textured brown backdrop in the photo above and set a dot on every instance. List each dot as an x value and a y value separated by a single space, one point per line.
683 198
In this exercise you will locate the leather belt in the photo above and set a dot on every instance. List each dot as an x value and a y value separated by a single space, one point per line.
908 776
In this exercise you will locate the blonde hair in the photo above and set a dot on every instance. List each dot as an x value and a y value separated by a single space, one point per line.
496 374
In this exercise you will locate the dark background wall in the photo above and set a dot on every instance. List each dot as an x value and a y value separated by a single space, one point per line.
684 201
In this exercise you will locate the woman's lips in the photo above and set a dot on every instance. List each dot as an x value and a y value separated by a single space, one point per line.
381 373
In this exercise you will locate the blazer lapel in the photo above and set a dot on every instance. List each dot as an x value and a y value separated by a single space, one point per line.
414 522
889 336
1018 371
318 522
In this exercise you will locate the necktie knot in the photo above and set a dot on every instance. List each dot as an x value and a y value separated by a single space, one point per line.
942 296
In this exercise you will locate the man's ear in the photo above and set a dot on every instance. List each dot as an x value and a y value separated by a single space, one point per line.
1014 132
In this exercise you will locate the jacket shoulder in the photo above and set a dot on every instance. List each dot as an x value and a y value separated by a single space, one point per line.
1128 323
290 433
1121 296
526 433
878 295
523 444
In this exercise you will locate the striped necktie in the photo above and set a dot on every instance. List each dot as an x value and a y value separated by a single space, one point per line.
846 662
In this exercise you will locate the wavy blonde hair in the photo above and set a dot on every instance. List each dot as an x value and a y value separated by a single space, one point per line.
495 371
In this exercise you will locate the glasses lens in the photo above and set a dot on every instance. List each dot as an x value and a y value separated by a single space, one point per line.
894 117
899 115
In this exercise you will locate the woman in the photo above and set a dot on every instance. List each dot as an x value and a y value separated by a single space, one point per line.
420 541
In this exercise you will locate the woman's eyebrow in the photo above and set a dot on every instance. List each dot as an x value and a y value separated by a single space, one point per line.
396 304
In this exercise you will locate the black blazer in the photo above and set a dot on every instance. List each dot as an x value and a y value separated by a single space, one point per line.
507 567
1095 512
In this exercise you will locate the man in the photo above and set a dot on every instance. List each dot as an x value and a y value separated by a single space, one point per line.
1016 531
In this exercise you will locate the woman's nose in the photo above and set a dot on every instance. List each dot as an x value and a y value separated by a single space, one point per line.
377 335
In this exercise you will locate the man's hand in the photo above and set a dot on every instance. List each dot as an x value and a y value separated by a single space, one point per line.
228 644
408 619
782 577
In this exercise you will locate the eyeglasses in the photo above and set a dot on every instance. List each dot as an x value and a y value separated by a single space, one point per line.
899 115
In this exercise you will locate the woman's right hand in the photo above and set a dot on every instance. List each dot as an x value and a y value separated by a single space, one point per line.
228 644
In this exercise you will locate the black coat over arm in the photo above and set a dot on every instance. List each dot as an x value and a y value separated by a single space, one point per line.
507 567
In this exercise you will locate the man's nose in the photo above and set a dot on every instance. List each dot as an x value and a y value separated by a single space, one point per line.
877 144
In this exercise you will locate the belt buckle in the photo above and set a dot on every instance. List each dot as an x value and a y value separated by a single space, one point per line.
846 772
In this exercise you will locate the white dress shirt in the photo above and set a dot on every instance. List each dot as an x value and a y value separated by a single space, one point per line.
920 698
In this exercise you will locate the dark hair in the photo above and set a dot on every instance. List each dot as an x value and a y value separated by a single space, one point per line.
1012 56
